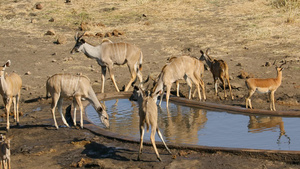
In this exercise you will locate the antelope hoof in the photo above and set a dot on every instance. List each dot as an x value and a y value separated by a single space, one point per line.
159 159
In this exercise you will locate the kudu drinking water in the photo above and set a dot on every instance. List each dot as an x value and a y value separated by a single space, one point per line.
148 116
65 85
108 54
10 89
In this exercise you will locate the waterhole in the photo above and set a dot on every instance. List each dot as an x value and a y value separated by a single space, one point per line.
185 125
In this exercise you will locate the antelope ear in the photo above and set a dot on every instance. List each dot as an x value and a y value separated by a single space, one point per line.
207 51
8 63
201 51
82 40
136 88
157 93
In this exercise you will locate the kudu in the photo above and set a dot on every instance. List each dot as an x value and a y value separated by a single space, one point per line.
219 70
184 67
148 116
269 85
10 89
107 54
77 86
5 152
201 72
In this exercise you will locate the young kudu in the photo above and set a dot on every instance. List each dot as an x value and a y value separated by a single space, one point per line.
201 72
184 67
5 152
269 85
219 70
10 89
108 54
148 116
65 85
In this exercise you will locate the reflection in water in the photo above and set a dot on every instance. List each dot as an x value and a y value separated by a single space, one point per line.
182 123
185 125
262 123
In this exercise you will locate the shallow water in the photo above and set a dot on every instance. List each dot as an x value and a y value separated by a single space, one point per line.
185 125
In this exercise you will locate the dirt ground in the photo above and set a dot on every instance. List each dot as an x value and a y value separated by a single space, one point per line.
247 34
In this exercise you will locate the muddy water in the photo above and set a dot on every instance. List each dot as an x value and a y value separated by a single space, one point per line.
185 125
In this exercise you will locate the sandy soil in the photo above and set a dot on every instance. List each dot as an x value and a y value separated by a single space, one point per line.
246 34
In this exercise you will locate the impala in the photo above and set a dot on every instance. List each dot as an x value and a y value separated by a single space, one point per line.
269 85
107 54
65 85
219 70
10 89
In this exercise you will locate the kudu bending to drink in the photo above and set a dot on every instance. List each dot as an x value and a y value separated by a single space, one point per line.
269 85
107 54
10 89
65 85
148 116
219 70
184 67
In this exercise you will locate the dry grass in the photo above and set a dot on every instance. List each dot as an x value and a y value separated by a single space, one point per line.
175 24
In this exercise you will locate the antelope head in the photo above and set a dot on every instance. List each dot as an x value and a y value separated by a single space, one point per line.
2 68
280 68
79 42
205 56
103 115
138 91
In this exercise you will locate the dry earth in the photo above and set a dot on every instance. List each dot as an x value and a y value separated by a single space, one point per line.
245 33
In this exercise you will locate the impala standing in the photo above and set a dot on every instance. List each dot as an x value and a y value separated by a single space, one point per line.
269 85
108 54
10 89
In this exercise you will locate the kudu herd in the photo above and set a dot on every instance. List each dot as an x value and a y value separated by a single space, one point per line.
108 54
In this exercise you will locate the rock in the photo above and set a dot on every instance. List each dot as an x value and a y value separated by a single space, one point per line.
101 35
108 34
50 32
33 21
267 64
51 20
236 85
84 26
288 102
38 6
245 75
28 73
61 40
115 33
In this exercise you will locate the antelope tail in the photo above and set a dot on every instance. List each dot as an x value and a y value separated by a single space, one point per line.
147 119
47 91
140 62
